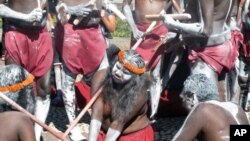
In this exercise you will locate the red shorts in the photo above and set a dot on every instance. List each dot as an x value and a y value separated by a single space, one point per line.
146 48
219 57
82 49
145 134
32 49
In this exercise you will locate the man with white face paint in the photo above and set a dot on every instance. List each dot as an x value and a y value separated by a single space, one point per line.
207 38
28 44
208 118
120 112
82 49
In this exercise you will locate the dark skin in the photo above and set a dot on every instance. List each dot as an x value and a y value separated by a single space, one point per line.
136 120
146 7
43 82
215 122
16 126
206 28
142 8
100 74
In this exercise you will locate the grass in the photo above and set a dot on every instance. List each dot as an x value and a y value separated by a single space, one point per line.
122 29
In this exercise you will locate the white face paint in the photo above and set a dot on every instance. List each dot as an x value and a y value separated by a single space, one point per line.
120 74
189 100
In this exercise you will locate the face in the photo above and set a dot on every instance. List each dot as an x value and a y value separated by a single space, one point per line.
189 100
120 74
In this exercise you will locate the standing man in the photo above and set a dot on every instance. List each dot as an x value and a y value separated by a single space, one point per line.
139 24
207 37
82 49
28 43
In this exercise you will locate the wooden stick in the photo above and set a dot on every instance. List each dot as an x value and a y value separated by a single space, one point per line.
21 109
158 17
141 39
84 110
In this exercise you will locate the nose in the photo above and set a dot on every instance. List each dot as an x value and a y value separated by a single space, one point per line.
118 73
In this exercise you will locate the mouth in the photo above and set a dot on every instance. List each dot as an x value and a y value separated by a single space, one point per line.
116 78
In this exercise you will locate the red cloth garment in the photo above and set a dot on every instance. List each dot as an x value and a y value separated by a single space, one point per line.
31 48
145 134
82 49
83 94
218 56
146 48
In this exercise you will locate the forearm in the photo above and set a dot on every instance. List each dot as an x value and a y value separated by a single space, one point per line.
190 28
6 12
109 22
112 135
95 127
128 14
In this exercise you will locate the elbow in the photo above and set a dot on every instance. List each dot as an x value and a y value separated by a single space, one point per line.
112 29
206 32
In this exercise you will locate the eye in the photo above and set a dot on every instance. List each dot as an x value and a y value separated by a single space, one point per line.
119 66
126 71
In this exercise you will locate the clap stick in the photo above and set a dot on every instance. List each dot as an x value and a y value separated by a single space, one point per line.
158 17
84 110
145 33
21 109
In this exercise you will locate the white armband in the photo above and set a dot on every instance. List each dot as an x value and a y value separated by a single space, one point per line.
112 135
95 127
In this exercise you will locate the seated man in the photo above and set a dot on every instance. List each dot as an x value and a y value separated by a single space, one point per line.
211 118
17 84
16 126
121 110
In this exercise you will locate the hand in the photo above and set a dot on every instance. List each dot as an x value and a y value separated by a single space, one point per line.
80 10
137 34
107 5
62 13
168 20
35 15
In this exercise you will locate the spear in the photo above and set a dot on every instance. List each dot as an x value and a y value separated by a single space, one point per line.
21 109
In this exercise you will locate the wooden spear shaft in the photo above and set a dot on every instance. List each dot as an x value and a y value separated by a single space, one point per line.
21 109
141 39
84 110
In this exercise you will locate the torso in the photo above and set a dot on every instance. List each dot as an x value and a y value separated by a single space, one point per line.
221 114
139 120
147 7
77 2
214 25
24 6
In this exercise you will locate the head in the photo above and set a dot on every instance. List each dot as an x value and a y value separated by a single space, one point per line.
198 88
129 63
17 84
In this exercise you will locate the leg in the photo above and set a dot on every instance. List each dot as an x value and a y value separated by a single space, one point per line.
68 91
42 101
244 80
156 88
200 67
100 75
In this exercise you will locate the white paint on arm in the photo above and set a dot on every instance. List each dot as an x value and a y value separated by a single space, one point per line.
7 12
95 127
112 135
